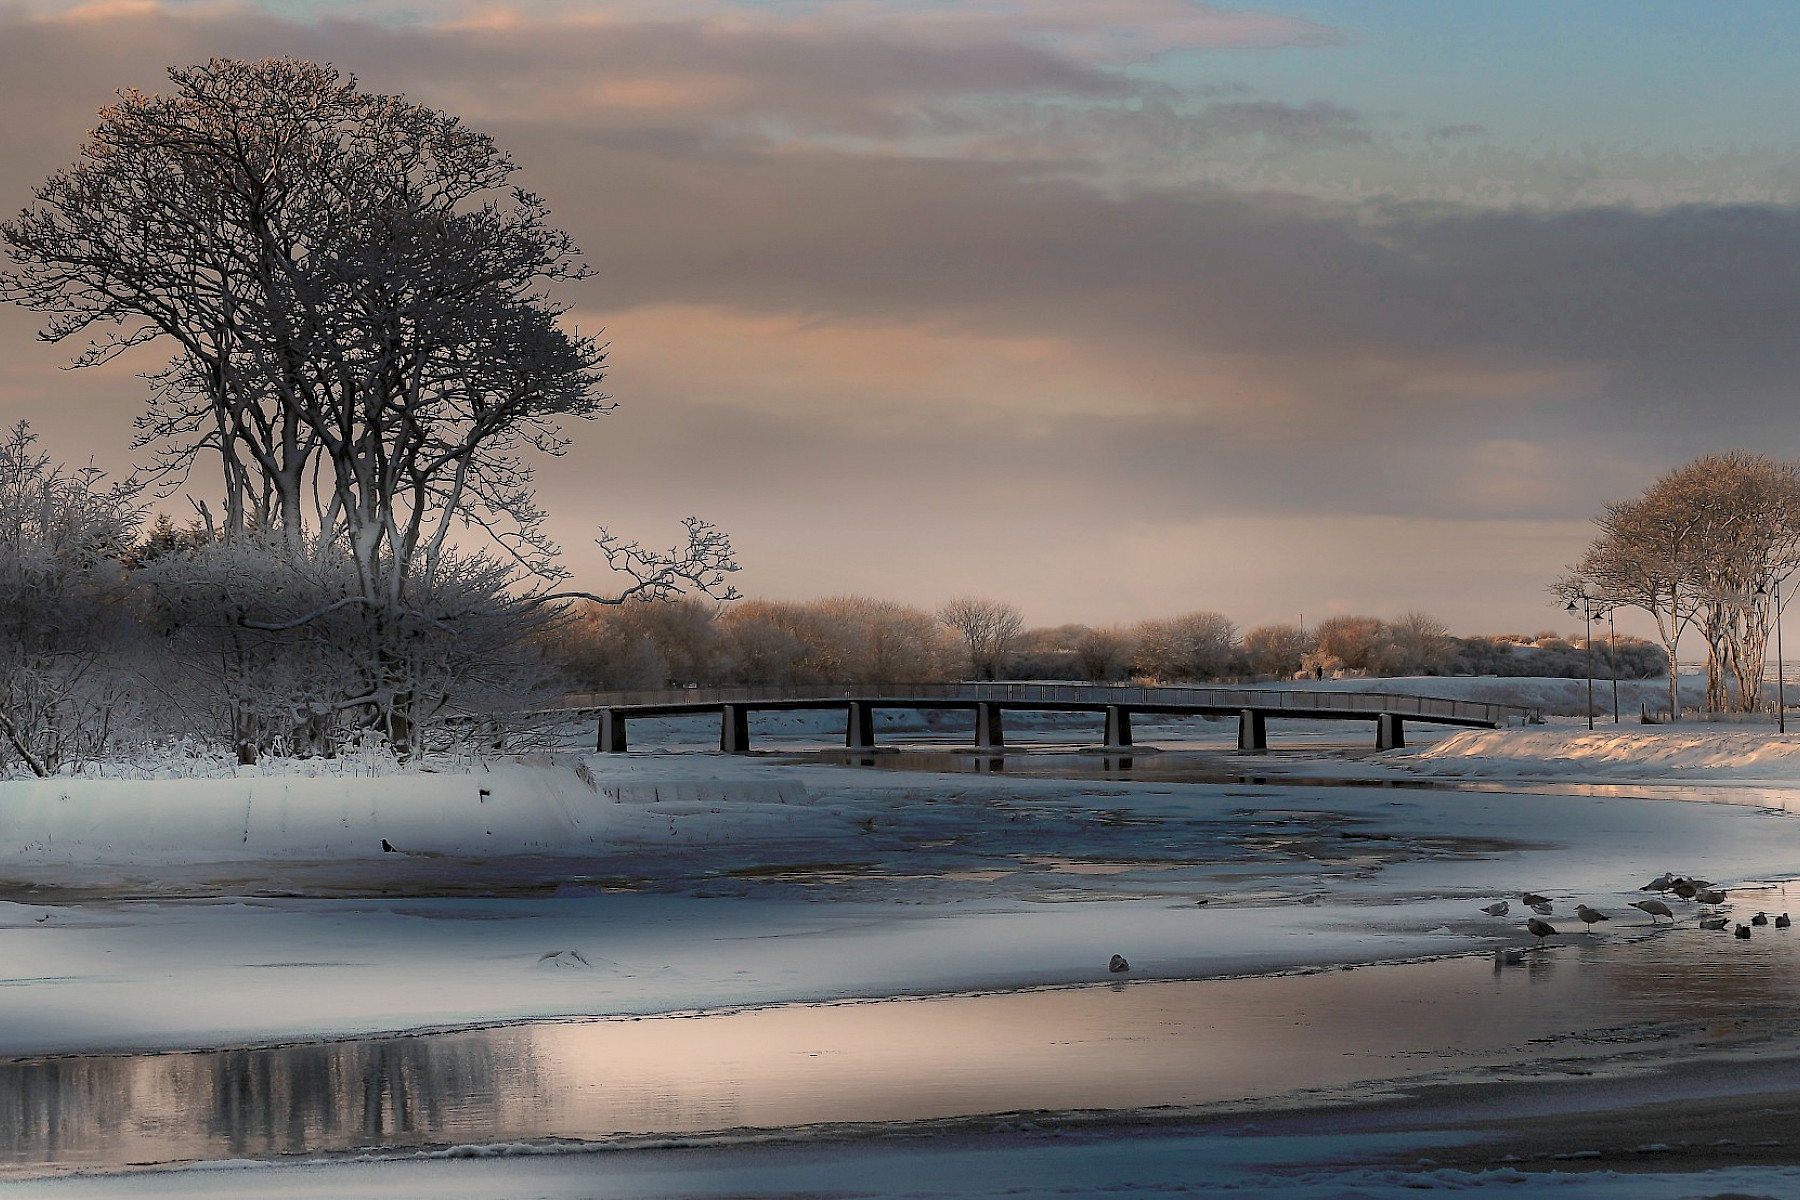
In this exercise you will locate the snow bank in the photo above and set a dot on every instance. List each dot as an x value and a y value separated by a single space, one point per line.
508 809
1615 752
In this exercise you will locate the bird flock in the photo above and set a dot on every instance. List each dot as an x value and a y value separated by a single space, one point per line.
1682 888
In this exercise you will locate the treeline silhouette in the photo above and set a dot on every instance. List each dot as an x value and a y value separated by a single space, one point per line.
855 639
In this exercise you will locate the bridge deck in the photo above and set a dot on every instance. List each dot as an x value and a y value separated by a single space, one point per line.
1274 702
1252 706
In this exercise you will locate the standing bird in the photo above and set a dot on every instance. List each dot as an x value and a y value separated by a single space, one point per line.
1713 896
1685 889
1497 910
1742 931
1760 919
1660 884
1656 908
1782 921
1532 899
1590 915
1539 929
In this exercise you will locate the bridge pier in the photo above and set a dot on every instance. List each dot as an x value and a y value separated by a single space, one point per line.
1390 732
1253 732
612 732
1118 725
734 729
989 734
859 726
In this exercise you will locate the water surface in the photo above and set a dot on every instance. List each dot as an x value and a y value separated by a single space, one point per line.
1126 1047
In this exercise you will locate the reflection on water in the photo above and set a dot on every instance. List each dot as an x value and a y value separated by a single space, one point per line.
1107 1047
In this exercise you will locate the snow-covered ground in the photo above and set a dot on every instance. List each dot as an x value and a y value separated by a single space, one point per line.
170 914
1649 752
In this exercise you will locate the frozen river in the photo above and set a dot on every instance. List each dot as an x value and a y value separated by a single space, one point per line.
851 950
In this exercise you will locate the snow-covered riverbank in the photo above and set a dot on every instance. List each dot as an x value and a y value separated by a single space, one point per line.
702 882
184 914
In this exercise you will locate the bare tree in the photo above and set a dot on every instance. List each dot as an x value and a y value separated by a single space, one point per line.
1702 548
988 628
357 296
1197 646
1354 643
1277 650
1105 654
1422 644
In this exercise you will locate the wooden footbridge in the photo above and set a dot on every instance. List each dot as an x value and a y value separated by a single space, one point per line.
1116 704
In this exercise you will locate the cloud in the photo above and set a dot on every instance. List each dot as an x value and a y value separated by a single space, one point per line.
870 277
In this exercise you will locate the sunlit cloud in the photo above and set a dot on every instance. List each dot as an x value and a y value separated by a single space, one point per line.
870 267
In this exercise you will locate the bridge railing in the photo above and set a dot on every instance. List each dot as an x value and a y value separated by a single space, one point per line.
1296 700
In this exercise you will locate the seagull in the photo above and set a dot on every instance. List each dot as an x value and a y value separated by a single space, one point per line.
387 847
1760 919
1782 921
1539 929
1660 884
1742 931
1118 965
1590 915
1712 922
1496 910
1656 908
1508 958
1710 897
1685 890
1542 910
1532 899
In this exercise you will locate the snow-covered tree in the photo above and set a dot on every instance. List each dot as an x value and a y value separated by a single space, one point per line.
988 628
1195 646
65 630
1703 547
365 345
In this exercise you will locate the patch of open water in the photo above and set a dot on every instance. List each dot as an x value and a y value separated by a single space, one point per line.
1220 767
1124 1047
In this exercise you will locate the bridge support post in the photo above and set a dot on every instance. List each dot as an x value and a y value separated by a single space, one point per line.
612 732
989 734
1253 732
859 726
1390 733
734 729
1118 725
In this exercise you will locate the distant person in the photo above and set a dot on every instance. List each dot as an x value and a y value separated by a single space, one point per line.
1319 674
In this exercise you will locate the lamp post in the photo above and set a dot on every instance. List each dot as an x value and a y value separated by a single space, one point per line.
1587 609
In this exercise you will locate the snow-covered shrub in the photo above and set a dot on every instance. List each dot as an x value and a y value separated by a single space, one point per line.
277 650
67 639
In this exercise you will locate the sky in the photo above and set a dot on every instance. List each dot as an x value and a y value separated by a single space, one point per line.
1114 309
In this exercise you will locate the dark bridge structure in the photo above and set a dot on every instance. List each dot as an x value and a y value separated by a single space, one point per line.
1116 704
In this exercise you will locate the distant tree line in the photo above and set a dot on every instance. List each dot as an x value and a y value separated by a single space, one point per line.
852 639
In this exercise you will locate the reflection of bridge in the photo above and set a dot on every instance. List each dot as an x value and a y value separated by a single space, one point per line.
1252 707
